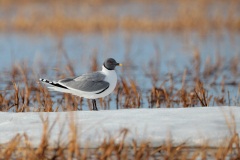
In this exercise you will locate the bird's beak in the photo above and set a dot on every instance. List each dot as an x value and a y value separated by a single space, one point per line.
119 64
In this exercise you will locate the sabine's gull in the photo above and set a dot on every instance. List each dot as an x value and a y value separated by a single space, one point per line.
90 85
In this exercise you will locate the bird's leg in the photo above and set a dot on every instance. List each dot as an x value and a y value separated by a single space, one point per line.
94 105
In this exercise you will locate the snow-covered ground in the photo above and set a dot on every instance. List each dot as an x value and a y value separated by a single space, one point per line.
192 125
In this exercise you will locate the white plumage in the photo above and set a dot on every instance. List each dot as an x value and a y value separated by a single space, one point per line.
91 85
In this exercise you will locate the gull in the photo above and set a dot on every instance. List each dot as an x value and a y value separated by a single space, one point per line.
90 85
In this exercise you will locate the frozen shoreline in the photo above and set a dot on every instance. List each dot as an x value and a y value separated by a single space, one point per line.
195 126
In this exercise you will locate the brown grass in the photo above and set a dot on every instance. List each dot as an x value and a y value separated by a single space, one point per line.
26 93
188 15
20 147
23 94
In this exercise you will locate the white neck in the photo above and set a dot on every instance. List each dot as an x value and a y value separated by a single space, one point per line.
105 70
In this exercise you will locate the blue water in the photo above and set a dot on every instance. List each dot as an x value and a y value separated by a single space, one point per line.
171 51
139 47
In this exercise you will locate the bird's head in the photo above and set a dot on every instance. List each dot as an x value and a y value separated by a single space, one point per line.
110 64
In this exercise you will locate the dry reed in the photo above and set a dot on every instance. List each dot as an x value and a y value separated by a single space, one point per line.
189 15
20 147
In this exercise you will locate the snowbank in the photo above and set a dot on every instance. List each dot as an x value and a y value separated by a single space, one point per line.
192 125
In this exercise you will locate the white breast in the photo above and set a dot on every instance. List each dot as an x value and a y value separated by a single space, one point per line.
111 77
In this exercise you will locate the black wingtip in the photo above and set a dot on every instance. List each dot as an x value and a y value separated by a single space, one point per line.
43 80
52 83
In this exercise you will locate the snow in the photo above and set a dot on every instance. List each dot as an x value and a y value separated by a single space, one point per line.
195 126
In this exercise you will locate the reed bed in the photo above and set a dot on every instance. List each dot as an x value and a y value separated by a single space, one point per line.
101 15
190 87
22 92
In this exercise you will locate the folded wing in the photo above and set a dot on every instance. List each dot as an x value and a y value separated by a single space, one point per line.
90 82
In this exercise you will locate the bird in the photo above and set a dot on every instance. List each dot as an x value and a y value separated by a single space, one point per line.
89 85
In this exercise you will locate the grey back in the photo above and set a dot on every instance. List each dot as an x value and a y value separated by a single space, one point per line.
89 82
